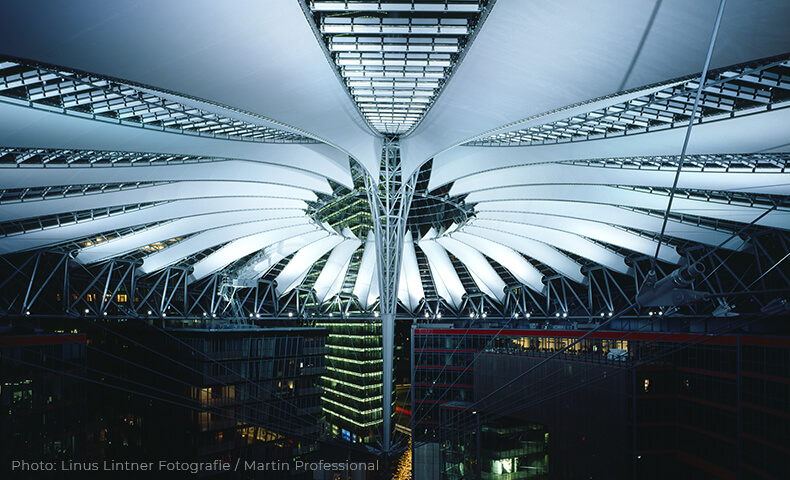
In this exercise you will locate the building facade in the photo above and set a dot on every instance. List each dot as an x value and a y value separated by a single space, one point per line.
352 384
256 393
613 404
43 399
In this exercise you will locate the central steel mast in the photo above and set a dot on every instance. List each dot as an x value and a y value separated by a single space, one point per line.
390 200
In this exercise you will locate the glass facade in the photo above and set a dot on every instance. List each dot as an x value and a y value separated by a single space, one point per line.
707 406
352 384
473 446
43 398
258 393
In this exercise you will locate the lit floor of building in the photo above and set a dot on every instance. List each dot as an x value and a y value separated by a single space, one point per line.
352 383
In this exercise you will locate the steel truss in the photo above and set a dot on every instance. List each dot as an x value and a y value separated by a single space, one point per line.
727 92
736 163
51 283
754 279
99 98
30 157
390 199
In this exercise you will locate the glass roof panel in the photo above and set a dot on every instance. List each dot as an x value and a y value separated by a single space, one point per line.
395 40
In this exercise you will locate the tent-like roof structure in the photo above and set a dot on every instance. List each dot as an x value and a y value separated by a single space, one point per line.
545 137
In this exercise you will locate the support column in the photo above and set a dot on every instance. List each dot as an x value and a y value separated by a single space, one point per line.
390 200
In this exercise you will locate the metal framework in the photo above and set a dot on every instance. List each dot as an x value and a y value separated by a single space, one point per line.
90 96
16 227
736 163
749 280
390 199
56 156
395 56
728 92
51 283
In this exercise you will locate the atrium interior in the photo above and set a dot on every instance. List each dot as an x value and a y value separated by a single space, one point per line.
414 238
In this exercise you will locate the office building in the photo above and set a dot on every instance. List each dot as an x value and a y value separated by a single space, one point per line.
613 404
258 395
43 398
